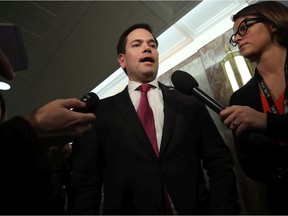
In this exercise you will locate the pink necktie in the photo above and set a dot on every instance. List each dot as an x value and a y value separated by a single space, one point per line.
145 114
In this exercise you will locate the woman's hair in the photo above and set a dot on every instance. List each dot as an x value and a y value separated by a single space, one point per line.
3 109
271 11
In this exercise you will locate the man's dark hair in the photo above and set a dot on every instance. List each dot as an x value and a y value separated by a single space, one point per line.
123 38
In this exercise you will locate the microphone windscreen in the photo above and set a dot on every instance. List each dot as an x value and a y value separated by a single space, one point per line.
183 82
91 99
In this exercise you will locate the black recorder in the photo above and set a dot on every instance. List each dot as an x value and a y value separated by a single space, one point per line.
12 44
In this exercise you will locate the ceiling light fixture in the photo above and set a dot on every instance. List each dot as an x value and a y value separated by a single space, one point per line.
237 68
4 86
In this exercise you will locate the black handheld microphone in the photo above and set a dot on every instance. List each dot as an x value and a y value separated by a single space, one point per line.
91 99
186 84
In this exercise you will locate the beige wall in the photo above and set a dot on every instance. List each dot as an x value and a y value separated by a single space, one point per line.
205 67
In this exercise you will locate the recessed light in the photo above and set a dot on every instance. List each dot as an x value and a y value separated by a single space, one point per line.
4 86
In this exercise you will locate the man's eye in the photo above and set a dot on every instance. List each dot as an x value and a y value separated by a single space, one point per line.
135 45
152 45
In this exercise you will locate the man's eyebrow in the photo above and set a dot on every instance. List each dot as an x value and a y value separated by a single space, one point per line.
152 40
141 40
136 40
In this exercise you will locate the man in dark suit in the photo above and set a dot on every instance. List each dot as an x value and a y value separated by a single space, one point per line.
115 163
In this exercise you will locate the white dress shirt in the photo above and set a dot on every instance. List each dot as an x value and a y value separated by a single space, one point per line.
155 99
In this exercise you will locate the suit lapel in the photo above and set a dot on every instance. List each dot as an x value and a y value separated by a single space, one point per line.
170 105
125 107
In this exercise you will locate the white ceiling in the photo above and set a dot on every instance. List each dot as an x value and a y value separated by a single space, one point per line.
71 45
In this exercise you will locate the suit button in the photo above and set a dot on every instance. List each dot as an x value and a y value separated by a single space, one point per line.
162 165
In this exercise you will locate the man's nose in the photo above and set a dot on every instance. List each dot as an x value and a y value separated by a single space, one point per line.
147 50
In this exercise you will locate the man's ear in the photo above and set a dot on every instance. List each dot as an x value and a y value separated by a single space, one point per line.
121 60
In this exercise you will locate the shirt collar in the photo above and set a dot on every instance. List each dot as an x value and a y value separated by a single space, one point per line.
132 85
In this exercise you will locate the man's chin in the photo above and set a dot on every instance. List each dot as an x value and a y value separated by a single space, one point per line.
151 75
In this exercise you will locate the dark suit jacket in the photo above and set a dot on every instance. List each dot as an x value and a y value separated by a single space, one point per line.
258 152
25 181
118 153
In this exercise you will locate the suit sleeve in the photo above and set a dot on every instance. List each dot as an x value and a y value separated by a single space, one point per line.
24 173
218 162
19 138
